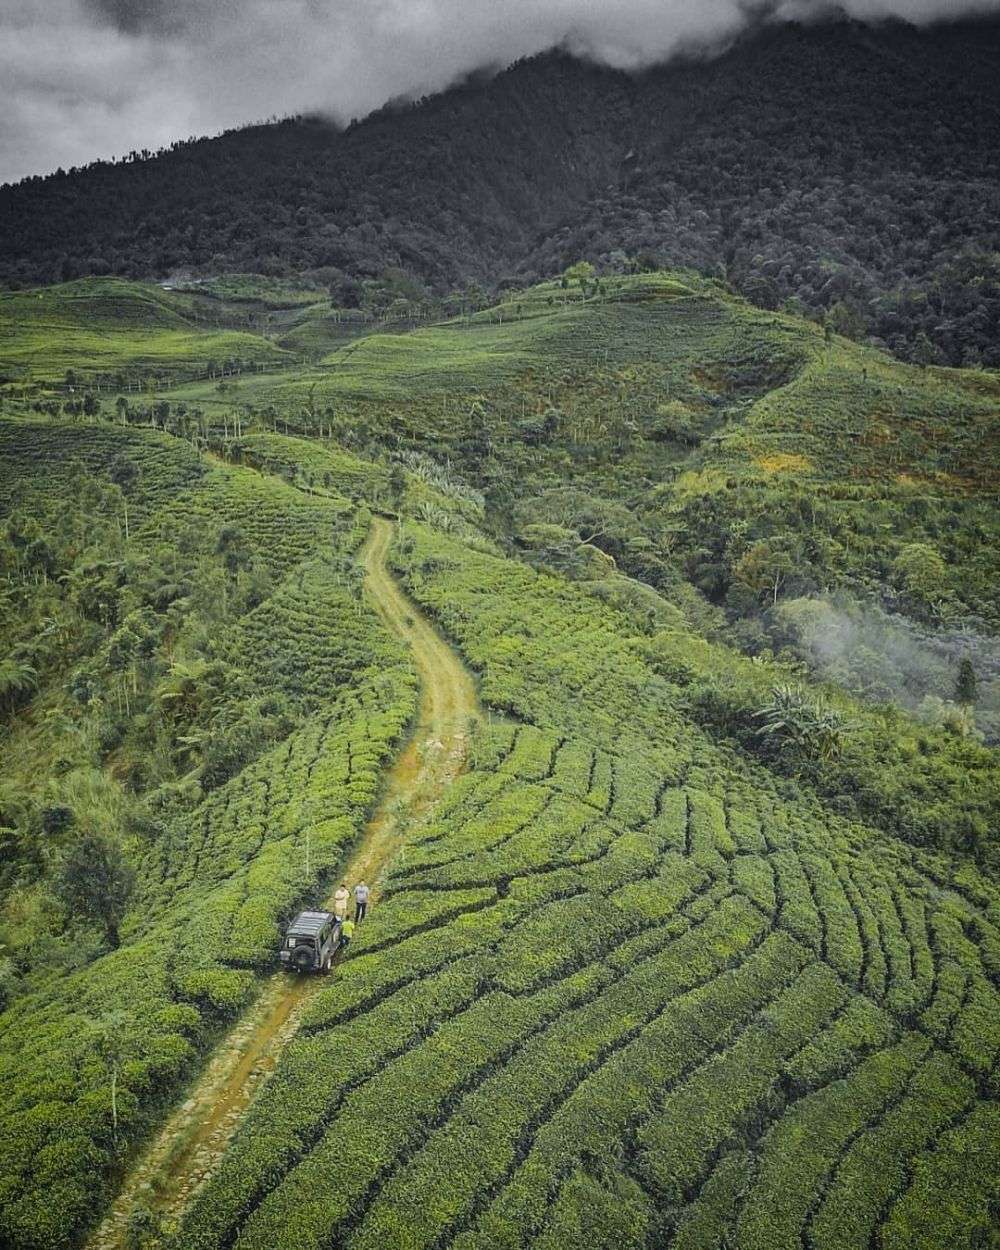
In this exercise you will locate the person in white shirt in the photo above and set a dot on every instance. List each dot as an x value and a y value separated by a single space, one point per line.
340 901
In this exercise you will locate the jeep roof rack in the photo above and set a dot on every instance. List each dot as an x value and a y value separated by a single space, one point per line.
309 923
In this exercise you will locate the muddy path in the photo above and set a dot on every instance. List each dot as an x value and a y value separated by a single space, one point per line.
187 1148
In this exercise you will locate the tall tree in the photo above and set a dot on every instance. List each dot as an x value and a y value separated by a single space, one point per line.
965 684
97 881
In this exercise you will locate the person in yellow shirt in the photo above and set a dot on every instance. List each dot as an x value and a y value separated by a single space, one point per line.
346 933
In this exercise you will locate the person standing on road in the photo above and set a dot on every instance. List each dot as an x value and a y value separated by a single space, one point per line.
340 901
360 901
346 933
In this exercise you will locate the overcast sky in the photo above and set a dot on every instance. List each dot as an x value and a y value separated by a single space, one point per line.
83 79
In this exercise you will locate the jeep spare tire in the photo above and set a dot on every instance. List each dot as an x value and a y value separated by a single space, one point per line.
303 958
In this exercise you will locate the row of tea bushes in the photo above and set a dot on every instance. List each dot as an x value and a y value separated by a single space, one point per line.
650 965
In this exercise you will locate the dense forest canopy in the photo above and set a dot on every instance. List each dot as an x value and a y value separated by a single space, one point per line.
761 166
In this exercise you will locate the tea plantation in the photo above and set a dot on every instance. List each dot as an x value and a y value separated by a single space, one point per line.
215 873
120 334
624 987
698 950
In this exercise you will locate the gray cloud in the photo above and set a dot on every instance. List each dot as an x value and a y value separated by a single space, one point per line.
83 79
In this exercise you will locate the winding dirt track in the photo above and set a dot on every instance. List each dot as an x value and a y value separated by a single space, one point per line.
191 1142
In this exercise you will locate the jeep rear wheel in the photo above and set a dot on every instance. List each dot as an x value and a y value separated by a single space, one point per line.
302 958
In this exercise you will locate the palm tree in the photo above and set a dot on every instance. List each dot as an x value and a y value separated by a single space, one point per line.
183 689
18 678
809 725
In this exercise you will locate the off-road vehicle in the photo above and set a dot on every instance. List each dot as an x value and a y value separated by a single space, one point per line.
310 942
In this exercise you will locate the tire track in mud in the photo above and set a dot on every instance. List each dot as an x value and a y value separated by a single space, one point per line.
185 1151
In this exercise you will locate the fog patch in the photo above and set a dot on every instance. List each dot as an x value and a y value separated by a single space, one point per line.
887 658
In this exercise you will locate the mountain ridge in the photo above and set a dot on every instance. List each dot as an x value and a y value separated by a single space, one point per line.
763 166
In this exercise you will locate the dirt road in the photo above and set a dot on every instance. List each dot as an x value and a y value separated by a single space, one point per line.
194 1138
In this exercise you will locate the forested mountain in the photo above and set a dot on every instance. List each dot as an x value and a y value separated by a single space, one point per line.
765 166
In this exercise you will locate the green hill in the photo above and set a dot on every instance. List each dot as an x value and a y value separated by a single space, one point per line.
666 1000
701 948
696 411
112 332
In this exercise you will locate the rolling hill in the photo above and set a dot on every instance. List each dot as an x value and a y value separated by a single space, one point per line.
698 944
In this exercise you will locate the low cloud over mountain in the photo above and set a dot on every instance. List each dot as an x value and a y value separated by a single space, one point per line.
84 79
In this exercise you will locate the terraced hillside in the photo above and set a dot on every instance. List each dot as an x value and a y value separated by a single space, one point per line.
194 1137
697 952
218 855
699 413
622 985
120 333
